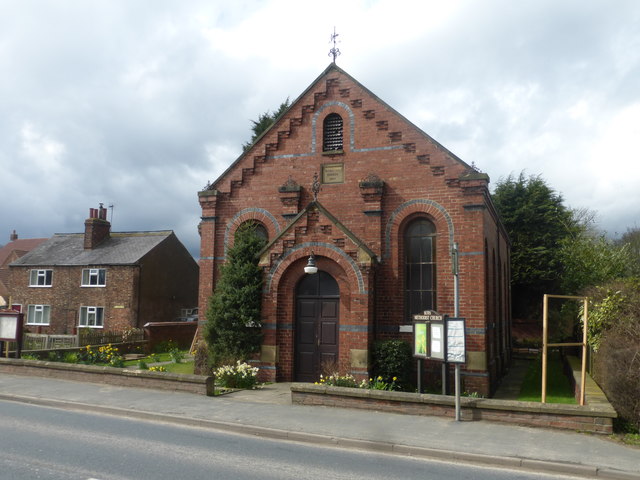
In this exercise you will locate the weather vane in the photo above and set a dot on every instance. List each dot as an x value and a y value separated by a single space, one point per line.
335 51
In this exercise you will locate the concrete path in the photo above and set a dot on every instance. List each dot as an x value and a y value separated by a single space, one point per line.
511 383
268 412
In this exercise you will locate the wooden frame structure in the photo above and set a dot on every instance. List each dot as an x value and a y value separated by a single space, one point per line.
546 345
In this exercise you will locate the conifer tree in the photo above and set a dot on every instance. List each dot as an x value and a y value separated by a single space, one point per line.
537 222
233 329
263 123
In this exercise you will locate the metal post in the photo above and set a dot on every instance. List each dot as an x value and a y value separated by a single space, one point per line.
456 280
445 378
456 314
419 367
545 333
457 367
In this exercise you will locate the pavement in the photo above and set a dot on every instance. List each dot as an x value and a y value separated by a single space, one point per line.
268 412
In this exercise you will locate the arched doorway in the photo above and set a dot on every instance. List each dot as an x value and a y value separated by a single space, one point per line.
316 335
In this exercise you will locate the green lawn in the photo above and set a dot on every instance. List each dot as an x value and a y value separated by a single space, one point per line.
183 367
559 389
157 357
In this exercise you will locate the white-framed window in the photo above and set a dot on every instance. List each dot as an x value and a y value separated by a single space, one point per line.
94 277
38 314
40 278
92 317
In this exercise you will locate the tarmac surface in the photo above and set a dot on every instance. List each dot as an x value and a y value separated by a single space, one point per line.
268 412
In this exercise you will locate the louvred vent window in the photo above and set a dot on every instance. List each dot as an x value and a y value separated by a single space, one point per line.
332 137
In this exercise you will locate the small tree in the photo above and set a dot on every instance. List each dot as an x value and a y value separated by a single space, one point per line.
233 329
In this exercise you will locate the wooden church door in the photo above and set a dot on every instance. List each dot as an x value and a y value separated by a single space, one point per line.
317 325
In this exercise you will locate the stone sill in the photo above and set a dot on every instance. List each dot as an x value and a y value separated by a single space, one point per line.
109 375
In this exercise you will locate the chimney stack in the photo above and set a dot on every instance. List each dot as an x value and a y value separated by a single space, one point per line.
96 227
13 237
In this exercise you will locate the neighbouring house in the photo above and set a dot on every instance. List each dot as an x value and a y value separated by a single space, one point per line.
343 177
16 248
103 279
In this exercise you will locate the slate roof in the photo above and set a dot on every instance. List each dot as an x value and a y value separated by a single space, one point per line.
67 249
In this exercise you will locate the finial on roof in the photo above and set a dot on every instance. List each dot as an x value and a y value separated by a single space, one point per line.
315 187
335 51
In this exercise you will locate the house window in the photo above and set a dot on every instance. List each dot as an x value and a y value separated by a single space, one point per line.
332 133
38 314
92 317
40 278
420 267
94 277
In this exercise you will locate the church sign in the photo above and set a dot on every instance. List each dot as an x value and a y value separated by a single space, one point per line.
456 345
438 337
10 326
11 329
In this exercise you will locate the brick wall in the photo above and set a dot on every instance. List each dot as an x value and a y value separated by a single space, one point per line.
179 332
203 385
596 418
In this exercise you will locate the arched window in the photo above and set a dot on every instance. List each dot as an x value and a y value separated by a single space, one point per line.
332 133
258 229
420 267
261 231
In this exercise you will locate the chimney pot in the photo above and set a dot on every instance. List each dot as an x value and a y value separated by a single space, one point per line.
96 227
13 237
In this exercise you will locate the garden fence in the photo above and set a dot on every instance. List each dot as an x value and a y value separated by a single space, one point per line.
39 341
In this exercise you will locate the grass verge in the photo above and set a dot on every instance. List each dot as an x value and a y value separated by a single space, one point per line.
559 389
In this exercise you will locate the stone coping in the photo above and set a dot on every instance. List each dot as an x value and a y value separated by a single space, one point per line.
595 417
110 375
593 394
596 410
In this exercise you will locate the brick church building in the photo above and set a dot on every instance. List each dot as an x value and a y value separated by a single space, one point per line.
379 204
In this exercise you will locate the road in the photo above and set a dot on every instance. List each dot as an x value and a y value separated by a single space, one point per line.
46 443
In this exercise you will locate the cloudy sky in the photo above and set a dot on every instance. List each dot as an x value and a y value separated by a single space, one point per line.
138 104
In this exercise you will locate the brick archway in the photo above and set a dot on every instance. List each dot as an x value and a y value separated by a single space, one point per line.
430 209
260 215
279 307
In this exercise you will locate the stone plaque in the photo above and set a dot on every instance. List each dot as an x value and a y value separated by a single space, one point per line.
333 173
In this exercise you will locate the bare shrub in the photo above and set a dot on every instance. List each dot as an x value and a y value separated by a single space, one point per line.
201 360
333 367
618 367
